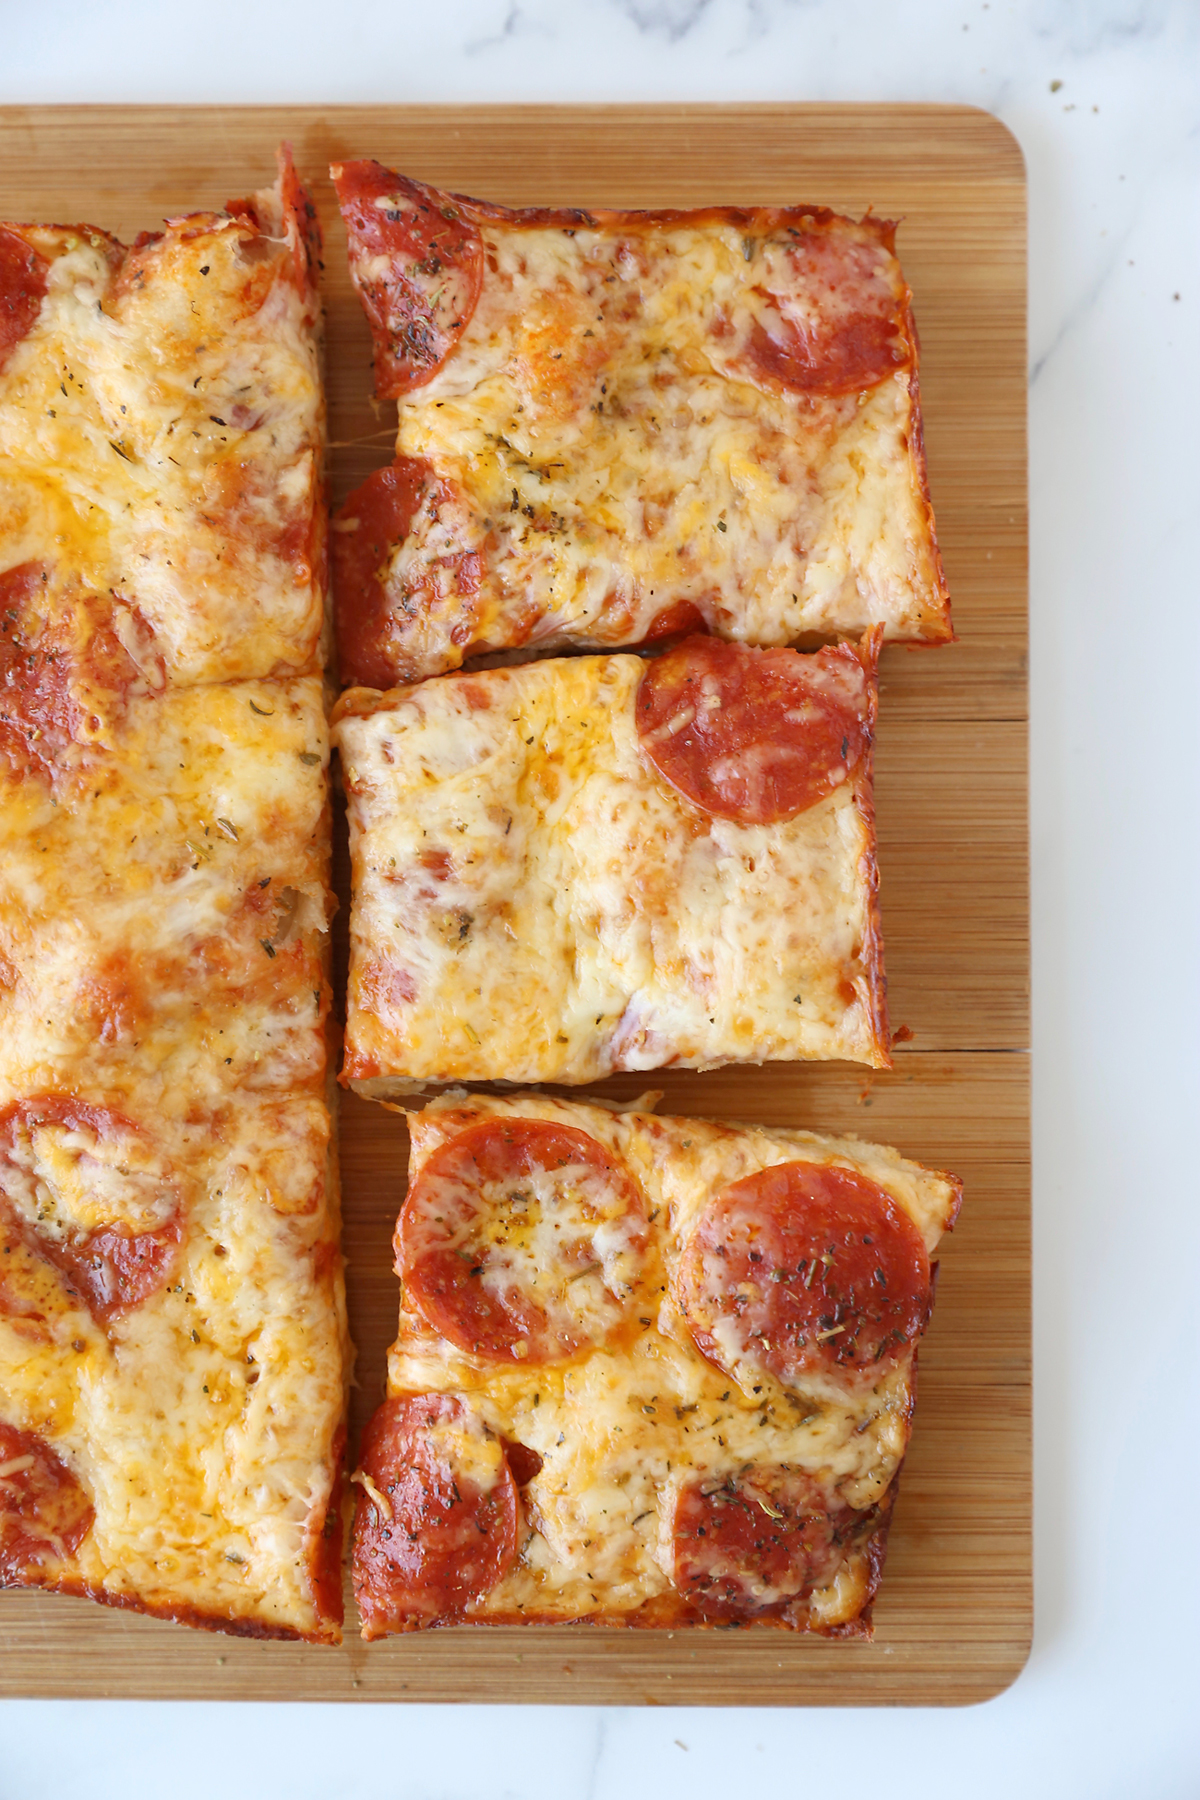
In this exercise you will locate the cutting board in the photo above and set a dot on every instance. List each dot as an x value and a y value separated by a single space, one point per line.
953 1621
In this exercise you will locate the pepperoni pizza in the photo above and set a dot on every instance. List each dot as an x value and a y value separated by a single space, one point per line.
173 1351
599 863
618 426
649 1372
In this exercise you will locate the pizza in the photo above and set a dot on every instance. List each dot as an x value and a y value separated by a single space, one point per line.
586 864
161 425
173 1348
163 884
649 1372
618 426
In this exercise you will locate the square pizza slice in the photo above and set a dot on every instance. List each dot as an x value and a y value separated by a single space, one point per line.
581 865
161 433
615 426
173 1353
649 1372
163 878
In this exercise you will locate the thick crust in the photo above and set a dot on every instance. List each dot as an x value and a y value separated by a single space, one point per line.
937 627
761 220
871 953
327 1631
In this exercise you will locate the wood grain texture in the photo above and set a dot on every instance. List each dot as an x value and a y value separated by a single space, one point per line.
954 1618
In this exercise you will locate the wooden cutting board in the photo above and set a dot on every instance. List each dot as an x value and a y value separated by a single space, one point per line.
953 1622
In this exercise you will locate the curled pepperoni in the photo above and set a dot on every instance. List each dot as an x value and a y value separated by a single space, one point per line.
805 1268
63 669
435 1525
525 1462
366 530
300 221
752 1542
118 1269
674 621
416 258
44 1513
80 1187
755 735
521 1240
829 321
387 606
23 276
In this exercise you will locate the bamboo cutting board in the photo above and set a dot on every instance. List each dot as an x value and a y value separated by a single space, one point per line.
953 1622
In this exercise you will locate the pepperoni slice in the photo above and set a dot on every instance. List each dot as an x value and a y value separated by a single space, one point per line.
23 275
755 735
677 620
803 1269
829 322
300 221
435 1525
417 261
751 1542
379 603
521 1240
366 530
63 670
44 1513
80 1186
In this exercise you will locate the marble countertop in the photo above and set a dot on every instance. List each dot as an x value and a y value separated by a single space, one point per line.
1102 95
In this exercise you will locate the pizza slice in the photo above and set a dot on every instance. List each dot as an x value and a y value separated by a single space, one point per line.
161 430
173 1347
617 426
598 863
172 1356
649 1372
164 891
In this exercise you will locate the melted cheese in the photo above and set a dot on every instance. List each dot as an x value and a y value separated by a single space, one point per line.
534 903
201 1422
196 829
160 440
598 439
532 1237
620 1425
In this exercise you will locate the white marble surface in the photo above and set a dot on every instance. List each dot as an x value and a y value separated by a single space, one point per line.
1107 1708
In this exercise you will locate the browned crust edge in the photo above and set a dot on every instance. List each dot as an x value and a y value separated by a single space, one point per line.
632 218
868 864
74 1587
937 622
672 1612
